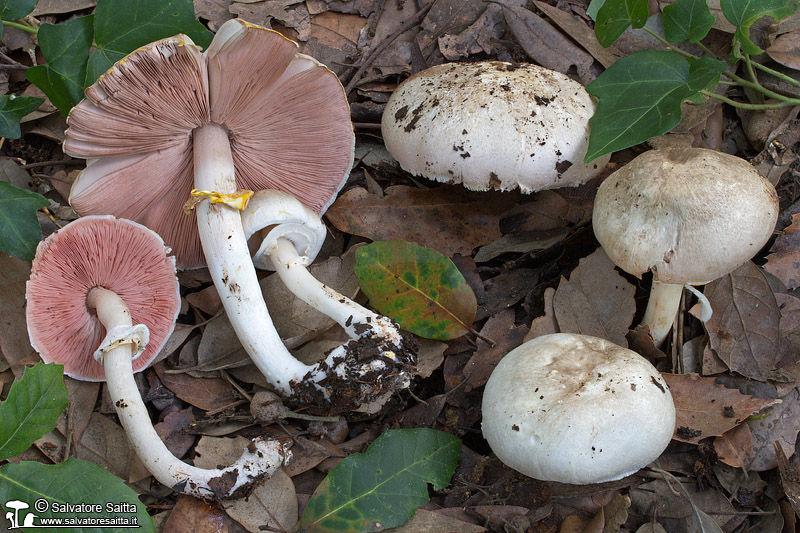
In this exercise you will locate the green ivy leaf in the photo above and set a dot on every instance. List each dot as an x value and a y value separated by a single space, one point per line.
640 97
32 408
743 13
46 489
122 26
16 9
19 228
418 287
687 20
382 487
616 16
65 47
12 109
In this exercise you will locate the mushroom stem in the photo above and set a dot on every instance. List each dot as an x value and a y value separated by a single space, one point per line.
230 265
258 462
662 308
353 317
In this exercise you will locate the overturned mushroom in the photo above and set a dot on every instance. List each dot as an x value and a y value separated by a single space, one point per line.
248 113
492 125
689 216
576 409
102 300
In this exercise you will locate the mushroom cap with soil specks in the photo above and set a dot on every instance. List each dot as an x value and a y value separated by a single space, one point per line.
492 125
98 251
576 409
690 215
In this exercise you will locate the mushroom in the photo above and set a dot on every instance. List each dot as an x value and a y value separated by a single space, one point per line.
249 113
576 409
492 125
688 215
102 300
362 373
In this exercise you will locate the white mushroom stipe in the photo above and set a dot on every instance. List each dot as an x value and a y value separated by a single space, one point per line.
379 358
258 462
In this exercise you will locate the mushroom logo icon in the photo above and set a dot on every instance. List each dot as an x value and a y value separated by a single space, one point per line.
13 517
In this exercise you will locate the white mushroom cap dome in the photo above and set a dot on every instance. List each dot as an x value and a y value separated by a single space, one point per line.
492 125
576 409
690 215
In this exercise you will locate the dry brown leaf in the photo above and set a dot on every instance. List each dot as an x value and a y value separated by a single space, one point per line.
616 513
786 49
480 36
309 453
505 290
193 515
448 218
333 39
290 13
425 521
172 431
778 423
203 393
496 516
705 408
784 259
82 399
14 343
57 7
596 300
660 499
106 444
507 336
216 12
523 242
790 477
272 506
744 329
546 45
546 210
581 32
446 16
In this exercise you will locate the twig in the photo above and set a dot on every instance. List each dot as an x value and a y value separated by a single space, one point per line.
381 47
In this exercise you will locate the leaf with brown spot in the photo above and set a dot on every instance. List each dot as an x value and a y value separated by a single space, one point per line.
596 300
708 409
744 329
448 218
784 259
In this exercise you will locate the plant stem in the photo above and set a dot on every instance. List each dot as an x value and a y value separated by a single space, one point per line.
779 75
670 45
758 87
754 107
19 26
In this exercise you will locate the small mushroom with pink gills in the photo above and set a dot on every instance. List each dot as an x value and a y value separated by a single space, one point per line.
492 125
576 409
689 216
102 300
248 114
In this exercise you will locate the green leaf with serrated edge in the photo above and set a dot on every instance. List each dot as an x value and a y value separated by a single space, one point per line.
616 16
687 20
32 408
639 97
122 26
418 287
743 13
20 231
71 491
12 109
382 487
65 48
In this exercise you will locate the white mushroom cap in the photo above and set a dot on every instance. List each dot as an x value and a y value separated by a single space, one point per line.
576 409
690 215
492 125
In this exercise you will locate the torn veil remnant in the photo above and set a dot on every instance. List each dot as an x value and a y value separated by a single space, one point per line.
689 216
492 125
248 113
102 300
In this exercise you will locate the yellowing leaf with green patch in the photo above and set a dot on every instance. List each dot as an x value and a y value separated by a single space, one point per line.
418 287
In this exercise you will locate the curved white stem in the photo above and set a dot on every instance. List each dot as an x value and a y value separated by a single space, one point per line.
229 263
290 266
662 308
258 462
